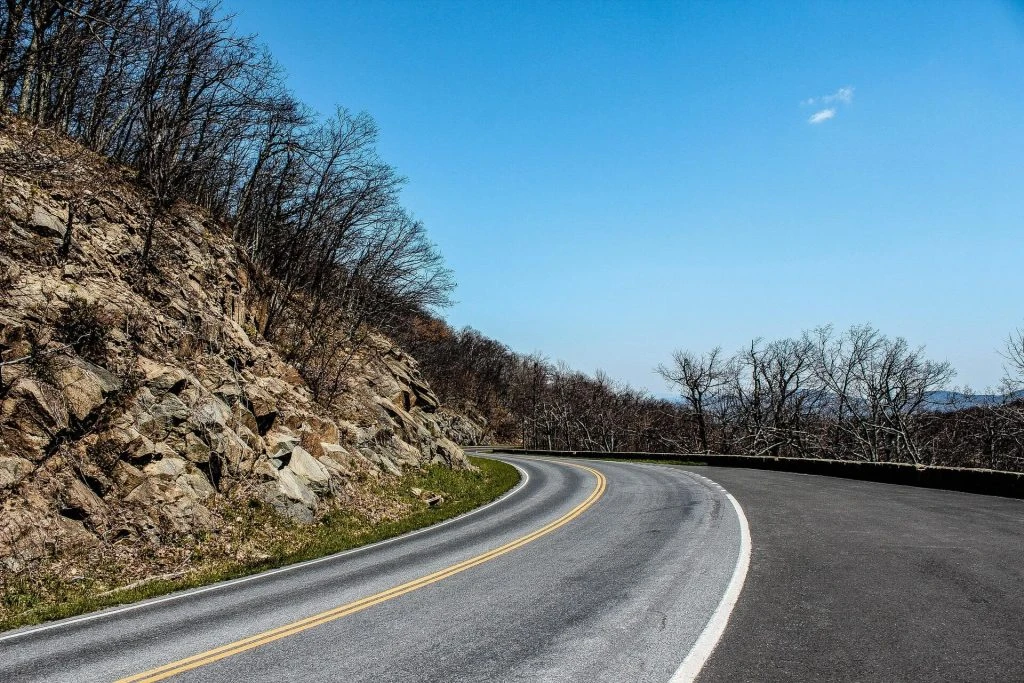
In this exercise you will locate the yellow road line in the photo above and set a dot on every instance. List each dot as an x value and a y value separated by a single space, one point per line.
260 639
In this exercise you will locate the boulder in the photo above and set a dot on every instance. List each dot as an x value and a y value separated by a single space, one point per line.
167 415
423 397
11 332
212 413
334 466
86 387
154 492
109 382
127 476
120 435
382 461
142 451
240 417
233 448
229 392
280 445
13 471
170 412
196 450
294 488
249 438
307 468
167 467
336 458
162 378
31 415
45 224
195 485
264 408
313 431
271 385
408 427
178 508
78 502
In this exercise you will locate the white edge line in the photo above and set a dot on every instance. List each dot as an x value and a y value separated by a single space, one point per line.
712 633
713 630
523 479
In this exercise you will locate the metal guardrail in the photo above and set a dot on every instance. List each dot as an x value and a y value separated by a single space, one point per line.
969 480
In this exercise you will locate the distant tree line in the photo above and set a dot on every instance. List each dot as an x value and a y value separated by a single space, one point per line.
201 114
528 400
858 395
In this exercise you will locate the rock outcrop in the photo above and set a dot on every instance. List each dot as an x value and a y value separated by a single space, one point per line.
134 404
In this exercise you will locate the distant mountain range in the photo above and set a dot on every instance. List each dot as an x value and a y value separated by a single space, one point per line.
947 401
938 401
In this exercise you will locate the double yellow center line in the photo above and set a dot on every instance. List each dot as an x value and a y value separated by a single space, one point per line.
260 639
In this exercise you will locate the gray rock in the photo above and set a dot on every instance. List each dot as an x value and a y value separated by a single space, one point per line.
294 488
81 390
196 450
382 461
334 466
44 223
195 485
162 378
166 468
109 383
86 386
13 471
229 392
280 444
230 445
170 412
307 468
213 413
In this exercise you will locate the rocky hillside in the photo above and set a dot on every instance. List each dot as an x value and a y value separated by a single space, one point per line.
138 405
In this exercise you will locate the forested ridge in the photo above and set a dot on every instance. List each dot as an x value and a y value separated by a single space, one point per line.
202 115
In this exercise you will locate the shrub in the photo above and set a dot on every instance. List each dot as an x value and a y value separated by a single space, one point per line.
85 326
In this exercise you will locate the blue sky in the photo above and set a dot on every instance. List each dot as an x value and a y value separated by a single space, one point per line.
611 181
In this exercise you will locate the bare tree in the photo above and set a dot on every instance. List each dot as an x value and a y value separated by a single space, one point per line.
1014 355
699 379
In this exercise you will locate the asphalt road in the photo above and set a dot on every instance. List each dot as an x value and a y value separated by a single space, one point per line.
861 581
606 575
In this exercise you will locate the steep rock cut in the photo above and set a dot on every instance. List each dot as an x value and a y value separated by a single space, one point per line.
135 403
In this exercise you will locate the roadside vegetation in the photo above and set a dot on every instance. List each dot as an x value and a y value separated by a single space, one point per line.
260 538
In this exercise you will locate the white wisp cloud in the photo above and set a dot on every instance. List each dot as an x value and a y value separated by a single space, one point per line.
820 116
843 96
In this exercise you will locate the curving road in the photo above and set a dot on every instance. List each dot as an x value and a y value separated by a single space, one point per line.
597 571
604 571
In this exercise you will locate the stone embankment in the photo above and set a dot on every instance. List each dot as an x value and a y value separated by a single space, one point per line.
135 407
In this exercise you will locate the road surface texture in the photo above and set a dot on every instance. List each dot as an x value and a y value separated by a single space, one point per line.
602 574
860 581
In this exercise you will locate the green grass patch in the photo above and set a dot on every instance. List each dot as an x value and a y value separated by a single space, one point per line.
258 539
